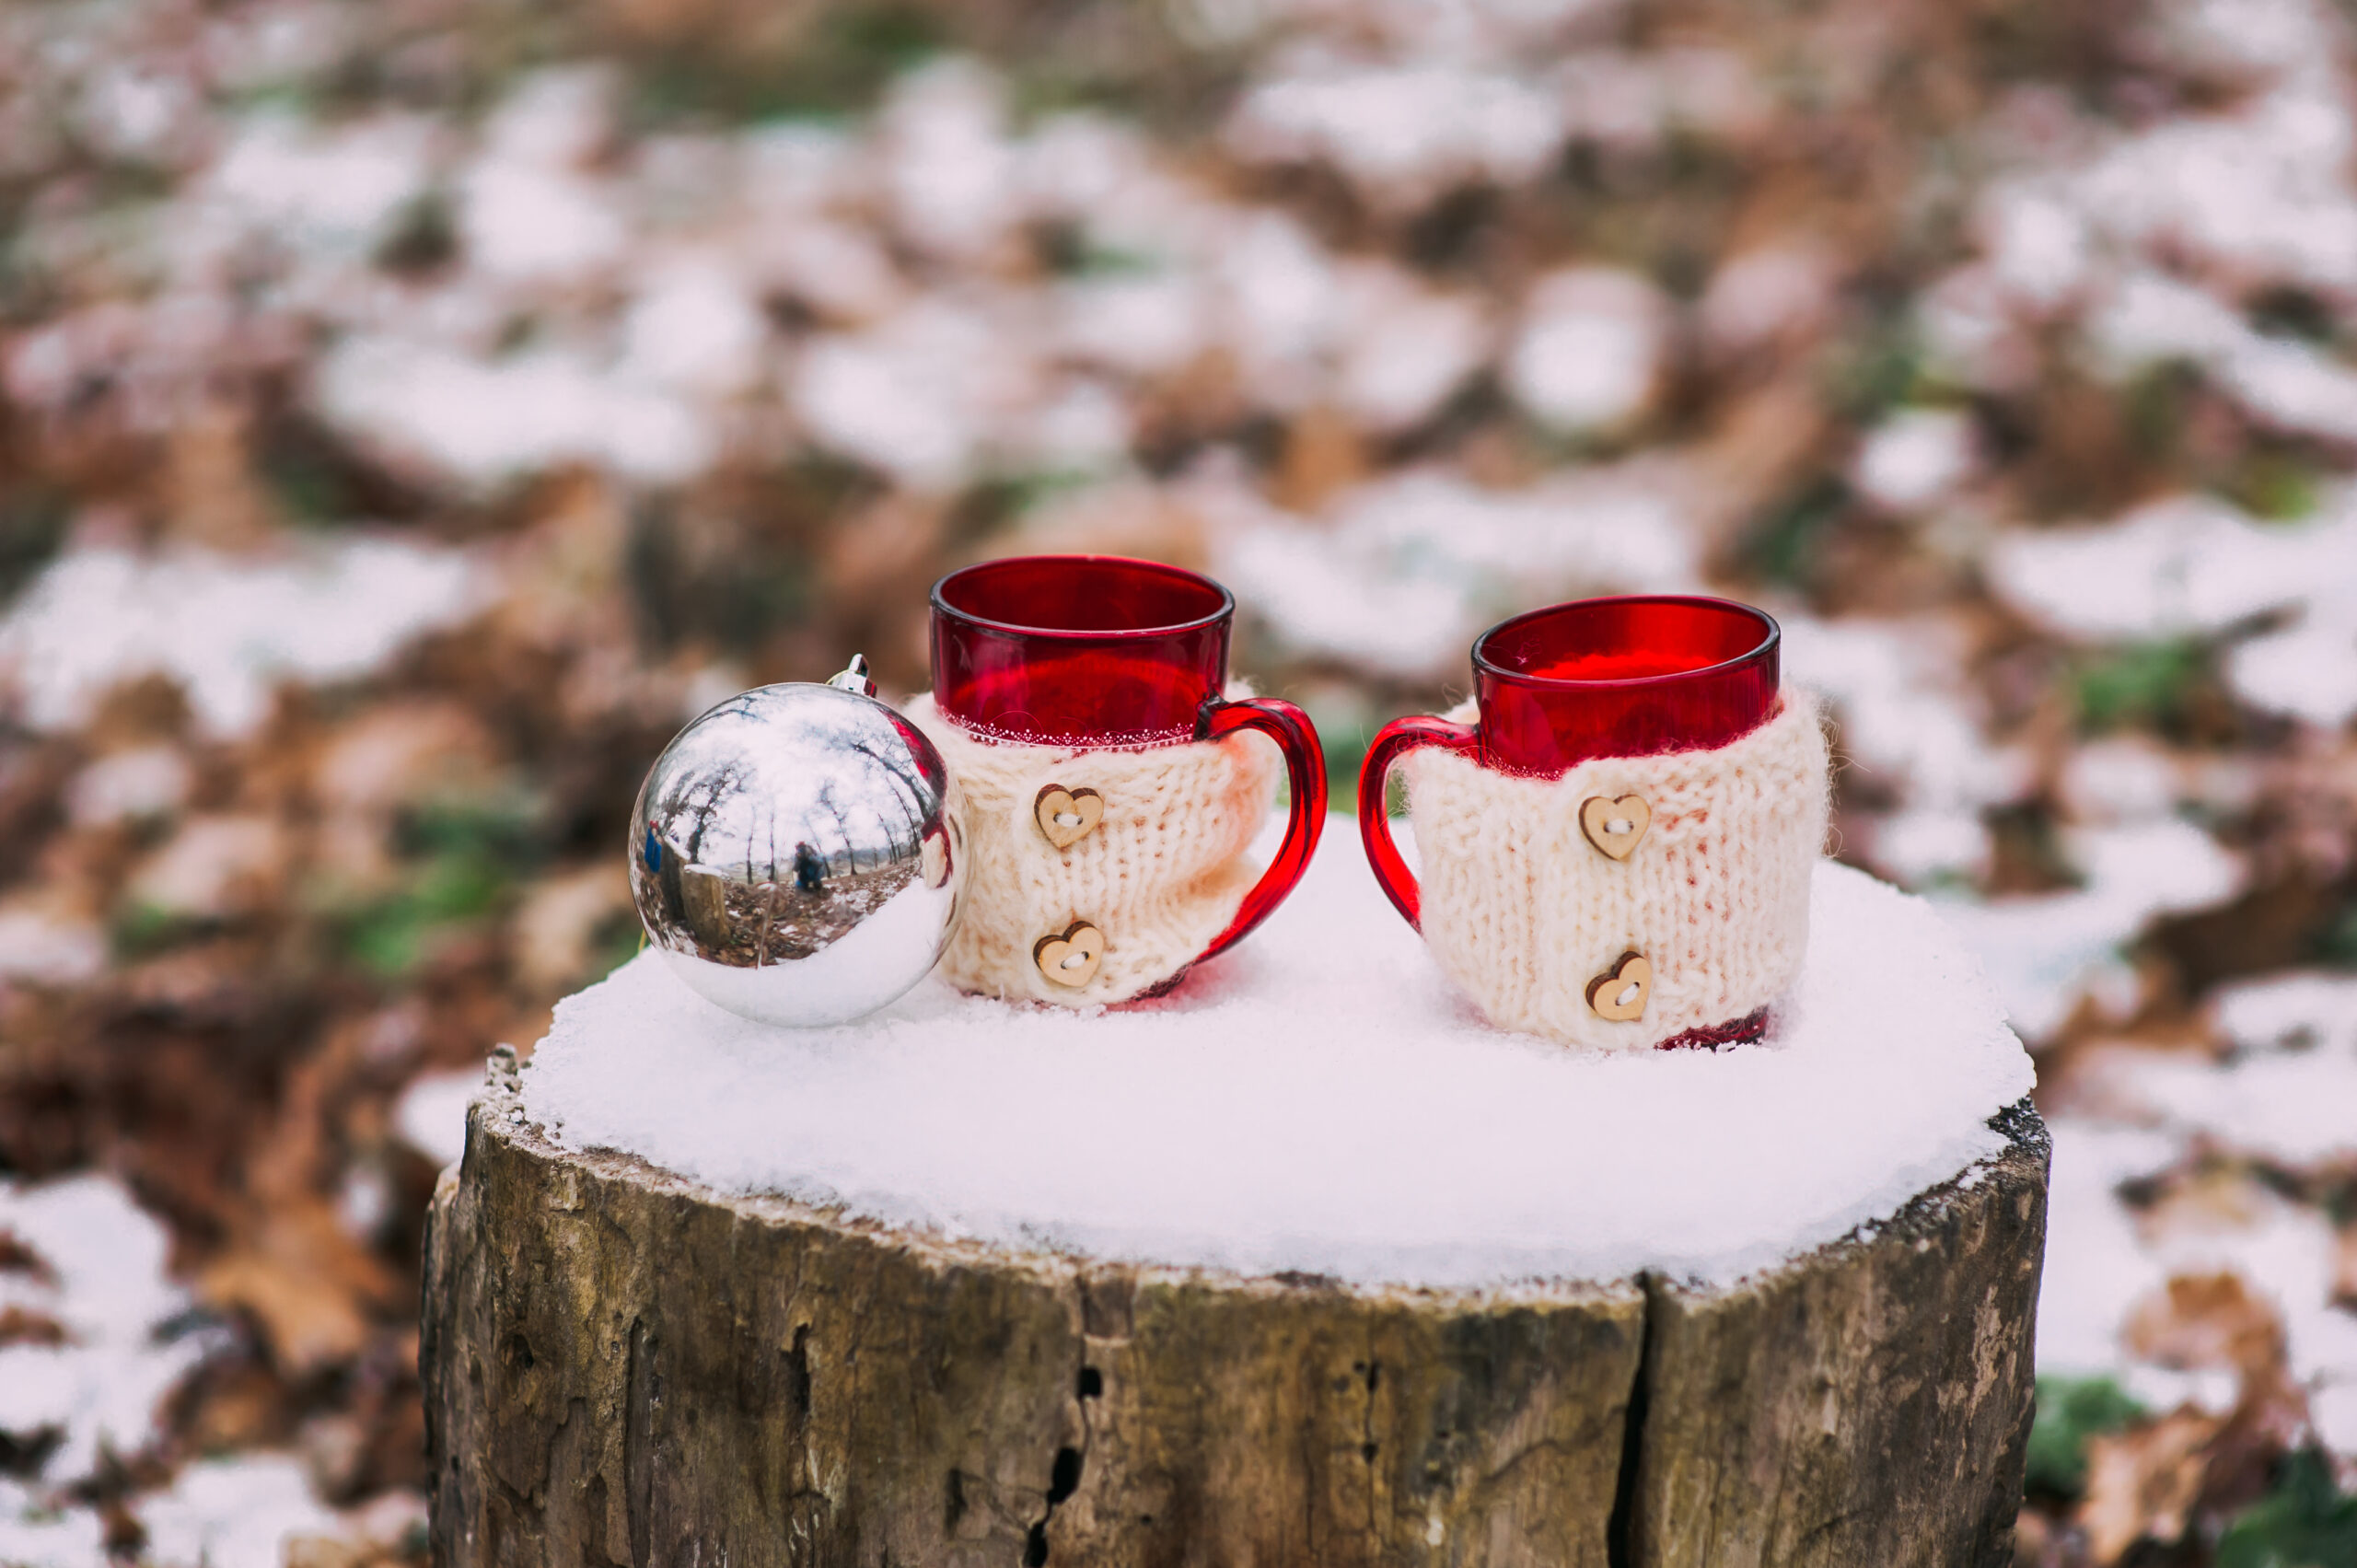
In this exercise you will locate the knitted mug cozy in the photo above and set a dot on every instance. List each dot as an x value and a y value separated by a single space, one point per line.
1095 875
1632 899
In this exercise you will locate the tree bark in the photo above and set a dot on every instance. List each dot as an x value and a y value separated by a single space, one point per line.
623 1367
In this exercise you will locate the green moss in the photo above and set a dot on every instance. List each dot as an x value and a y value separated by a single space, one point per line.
2274 486
1070 250
2155 406
1882 367
466 854
32 526
2069 1412
142 929
2305 1523
1782 544
2338 945
2139 684
507 827
838 66
447 894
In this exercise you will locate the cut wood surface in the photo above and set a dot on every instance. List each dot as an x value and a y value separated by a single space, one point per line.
625 1367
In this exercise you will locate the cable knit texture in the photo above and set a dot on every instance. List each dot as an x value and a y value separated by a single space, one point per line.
1161 874
1523 912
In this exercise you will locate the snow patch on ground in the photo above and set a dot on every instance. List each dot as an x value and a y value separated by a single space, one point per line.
103 1282
240 1513
2046 952
1590 348
1906 722
2177 567
49 949
481 421
1403 134
34 1533
2190 566
1322 1102
2298 1109
919 396
2291 1010
1402 575
2096 1267
2100 1262
228 629
431 1116
1915 459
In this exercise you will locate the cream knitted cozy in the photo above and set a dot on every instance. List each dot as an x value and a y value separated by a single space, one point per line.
1160 874
1524 913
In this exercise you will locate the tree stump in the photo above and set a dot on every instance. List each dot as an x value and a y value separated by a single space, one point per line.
622 1366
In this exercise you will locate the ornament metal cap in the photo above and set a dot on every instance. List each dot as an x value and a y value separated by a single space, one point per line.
855 678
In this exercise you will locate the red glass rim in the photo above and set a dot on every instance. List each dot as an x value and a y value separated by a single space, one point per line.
1754 639
995 594
1079 650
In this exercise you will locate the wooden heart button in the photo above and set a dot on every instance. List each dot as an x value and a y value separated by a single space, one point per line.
1620 996
1068 816
1615 826
1072 957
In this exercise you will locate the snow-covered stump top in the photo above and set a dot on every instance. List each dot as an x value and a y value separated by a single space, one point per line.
1321 1101
1526 910
1158 868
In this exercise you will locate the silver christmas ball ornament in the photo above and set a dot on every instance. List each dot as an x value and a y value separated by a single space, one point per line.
795 852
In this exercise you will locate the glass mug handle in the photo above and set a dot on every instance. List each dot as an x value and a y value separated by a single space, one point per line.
1305 779
1392 742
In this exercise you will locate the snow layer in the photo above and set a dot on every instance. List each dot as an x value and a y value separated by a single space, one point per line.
1405 132
1321 1102
2294 1107
225 628
2048 950
2301 1008
1915 459
483 421
431 1116
127 1345
234 1513
34 1533
2174 567
2100 1263
2096 1267
1591 348
1402 574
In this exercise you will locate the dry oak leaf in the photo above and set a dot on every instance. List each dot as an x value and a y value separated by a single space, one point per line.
305 1283
2142 1483
2207 1320
23 1326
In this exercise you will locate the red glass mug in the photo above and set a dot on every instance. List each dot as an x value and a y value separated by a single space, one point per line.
1625 677
1096 651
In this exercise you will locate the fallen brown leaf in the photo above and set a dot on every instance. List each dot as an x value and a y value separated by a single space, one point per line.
2207 1320
2035 1542
21 1326
2143 1485
17 1256
305 1281
558 923
1323 456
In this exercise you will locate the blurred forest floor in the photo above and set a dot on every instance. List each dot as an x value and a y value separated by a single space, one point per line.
413 410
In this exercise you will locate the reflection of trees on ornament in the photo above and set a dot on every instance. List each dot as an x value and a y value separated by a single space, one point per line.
778 822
